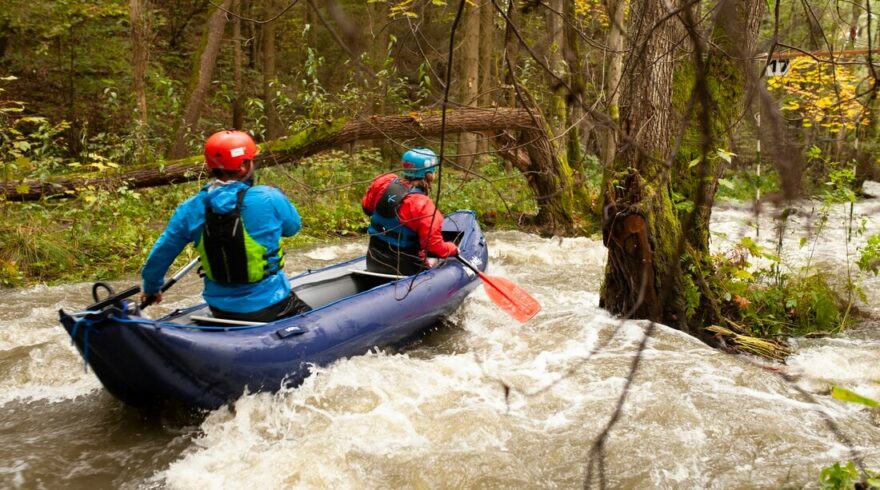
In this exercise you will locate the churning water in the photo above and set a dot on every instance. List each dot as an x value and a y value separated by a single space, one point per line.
477 402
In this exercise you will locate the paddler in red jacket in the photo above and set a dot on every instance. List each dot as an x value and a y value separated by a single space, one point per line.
404 223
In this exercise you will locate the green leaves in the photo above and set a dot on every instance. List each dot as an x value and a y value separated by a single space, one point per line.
869 259
682 204
836 477
845 395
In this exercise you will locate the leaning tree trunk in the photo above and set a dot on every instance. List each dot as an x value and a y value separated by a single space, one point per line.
550 183
206 59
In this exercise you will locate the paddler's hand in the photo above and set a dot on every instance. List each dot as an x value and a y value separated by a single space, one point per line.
151 298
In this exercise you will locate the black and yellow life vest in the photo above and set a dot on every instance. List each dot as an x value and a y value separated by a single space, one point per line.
229 254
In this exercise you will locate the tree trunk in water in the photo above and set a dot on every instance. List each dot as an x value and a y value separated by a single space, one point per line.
614 64
640 228
468 77
238 101
139 16
205 60
273 123
659 265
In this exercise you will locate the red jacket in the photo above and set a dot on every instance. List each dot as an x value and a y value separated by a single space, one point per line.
417 212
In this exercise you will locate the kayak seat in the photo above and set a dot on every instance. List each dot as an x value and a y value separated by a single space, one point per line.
319 293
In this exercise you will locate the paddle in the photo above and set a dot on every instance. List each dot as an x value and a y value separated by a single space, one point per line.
514 300
170 282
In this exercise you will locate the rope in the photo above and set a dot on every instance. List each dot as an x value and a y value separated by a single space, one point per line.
84 321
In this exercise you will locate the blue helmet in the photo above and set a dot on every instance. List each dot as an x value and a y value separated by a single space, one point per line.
418 162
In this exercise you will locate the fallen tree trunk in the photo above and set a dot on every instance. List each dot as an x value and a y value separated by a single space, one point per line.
544 181
282 151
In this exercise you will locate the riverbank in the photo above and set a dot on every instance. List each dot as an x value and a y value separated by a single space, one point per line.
106 234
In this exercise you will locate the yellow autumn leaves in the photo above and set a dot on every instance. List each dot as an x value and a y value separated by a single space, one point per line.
822 94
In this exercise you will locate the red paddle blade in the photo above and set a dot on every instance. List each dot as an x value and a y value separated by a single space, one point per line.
511 298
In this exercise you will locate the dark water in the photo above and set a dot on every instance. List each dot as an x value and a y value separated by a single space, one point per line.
479 402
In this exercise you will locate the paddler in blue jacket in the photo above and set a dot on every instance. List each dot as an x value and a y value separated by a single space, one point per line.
236 227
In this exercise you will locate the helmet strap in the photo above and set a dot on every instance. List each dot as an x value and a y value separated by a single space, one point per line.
246 169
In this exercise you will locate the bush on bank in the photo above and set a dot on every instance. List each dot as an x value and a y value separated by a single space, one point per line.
106 234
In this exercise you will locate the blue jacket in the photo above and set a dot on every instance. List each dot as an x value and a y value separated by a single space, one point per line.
267 214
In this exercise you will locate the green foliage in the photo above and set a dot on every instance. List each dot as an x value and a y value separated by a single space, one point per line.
869 260
743 184
312 94
101 234
29 145
839 187
768 302
837 477
106 234
845 395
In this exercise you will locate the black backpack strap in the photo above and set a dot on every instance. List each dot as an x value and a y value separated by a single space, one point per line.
391 199
224 243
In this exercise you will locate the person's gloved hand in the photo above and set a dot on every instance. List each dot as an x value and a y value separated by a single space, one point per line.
151 298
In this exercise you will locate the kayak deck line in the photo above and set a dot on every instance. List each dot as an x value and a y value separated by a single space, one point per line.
375 274
222 321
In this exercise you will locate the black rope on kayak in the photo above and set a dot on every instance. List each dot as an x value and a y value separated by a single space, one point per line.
87 323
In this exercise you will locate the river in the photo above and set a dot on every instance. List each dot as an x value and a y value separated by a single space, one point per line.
478 402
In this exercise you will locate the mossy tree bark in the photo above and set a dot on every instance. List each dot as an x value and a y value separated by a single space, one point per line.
578 125
640 227
488 63
511 55
557 190
658 195
556 113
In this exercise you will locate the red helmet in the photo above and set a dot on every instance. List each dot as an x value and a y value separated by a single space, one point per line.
229 149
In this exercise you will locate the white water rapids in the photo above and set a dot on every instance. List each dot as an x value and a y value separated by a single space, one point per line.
437 414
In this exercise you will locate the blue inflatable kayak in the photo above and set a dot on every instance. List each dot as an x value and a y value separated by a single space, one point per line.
195 359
